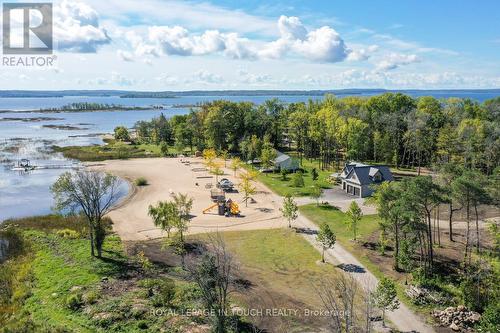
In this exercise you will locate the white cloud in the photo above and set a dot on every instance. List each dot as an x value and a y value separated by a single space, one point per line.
125 55
320 45
291 28
76 28
203 76
362 54
195 15
395 60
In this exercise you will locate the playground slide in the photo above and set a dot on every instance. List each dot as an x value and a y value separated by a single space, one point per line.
235 209
210 208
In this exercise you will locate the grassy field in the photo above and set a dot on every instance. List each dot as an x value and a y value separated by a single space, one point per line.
56 286
284 270
111 151
337 221
283 187
364 249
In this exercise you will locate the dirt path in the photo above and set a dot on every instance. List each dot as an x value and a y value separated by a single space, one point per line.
403 318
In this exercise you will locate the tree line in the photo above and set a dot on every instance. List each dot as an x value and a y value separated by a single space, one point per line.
391 128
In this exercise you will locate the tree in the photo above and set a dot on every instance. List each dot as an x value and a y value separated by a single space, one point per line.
385 296
314 174
184 205
469 191
164 149
247 187
268 156
298 179
165 215
355 214
338 295
284 174
92 192
216 169
209 156
235 165
447 174
121 133
214 275
426 195
326 238
289 210
225 156
316 192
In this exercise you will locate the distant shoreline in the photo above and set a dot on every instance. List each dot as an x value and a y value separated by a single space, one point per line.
79 111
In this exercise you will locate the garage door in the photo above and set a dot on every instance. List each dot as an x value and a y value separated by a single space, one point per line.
356 191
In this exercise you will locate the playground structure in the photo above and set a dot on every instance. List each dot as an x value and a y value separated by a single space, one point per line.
132 222
225 208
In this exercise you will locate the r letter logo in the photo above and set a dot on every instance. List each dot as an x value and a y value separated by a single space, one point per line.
27 28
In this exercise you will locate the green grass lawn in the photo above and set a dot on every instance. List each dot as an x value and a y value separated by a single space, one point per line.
337 221
283 187
53 269
60 265
284 270
366 228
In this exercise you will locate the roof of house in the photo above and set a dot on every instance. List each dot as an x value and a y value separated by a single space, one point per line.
364 174
284 160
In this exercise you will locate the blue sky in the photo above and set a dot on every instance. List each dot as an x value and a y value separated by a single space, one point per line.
181 45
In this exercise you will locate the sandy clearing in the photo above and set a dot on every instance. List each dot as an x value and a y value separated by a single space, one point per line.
166 175
131 221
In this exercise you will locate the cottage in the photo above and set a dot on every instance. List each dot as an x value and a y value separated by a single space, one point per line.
357 178
285 162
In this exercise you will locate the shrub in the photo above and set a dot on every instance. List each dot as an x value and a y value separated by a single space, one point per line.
144 262
490 320
314 174
298 179
74 301
160 291
141 181
121 133
284 174
68 234
90 297
164 148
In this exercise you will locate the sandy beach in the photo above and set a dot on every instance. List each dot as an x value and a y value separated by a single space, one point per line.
169 175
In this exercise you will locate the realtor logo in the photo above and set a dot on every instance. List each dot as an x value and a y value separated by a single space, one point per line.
27 28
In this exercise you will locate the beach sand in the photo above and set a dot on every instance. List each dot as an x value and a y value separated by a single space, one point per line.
169 175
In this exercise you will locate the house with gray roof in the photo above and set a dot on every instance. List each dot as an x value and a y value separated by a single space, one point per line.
357 178
285 162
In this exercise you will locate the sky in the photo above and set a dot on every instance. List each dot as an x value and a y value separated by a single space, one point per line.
306 45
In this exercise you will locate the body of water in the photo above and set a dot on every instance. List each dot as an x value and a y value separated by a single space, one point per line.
26 135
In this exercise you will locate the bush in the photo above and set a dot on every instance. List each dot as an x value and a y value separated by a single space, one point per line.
74 302
121 133
144 262
68 234
90 297
314 174
141 181
490 320
164 149
284 174
160 291
298 179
